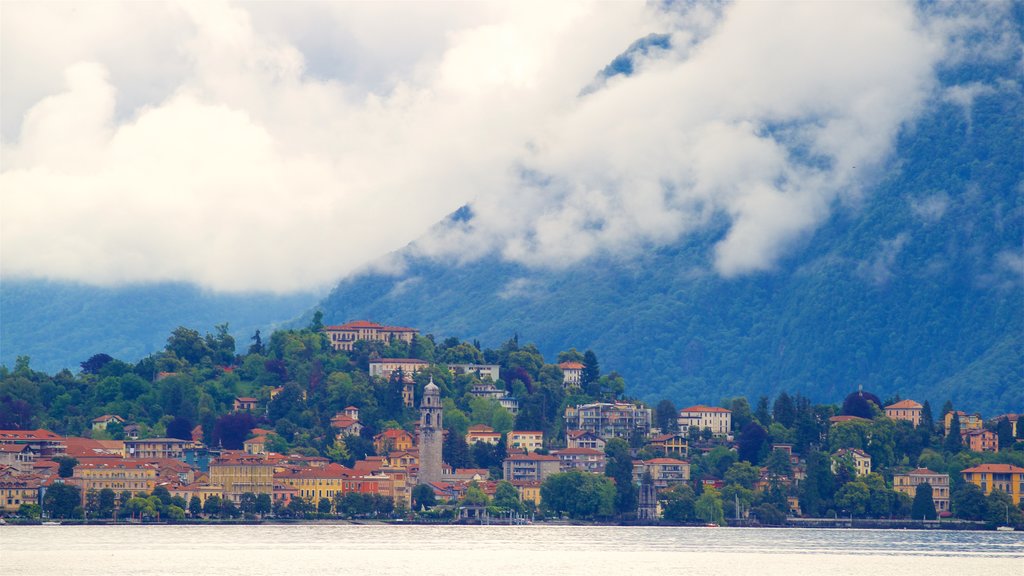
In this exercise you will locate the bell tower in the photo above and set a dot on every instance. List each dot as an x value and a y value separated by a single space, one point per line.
431 434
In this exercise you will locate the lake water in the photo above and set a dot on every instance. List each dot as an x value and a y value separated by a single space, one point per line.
512 550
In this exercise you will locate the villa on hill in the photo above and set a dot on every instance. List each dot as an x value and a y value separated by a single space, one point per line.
345 336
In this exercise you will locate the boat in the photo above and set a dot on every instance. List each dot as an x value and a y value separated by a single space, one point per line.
1004 528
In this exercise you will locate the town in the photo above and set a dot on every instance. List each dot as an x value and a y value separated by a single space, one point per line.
366 421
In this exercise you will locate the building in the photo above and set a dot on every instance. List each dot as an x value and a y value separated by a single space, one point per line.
245 404
345 336
907 484
17 456
530 467
860 460
312 484
17 489
718 420
41 443
431 434
968 422
670 443
237 473
844 419
391 440
529 440
529 491
585 459
384 367
151 448
102 422
1005 477
346 425
255 446
608 420
120 476
664 472
907 410
572 374
981 440
584 439
482 371
482 433
88 448
487 389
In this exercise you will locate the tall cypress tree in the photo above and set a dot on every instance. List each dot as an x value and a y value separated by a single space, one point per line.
953 442
923 507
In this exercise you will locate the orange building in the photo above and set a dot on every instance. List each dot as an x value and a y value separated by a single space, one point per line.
907 410
1005 477
391 440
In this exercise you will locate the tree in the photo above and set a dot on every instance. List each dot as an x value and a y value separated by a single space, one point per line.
927 421
784 410
188 345
1001 510
953 443
862 404
753 443
761 413
32 511
666 417
1004 431
506 496
709 507
263 504
455 451
968 502
180 428
257 344
62 500
423 497
231 430
678 504
175 513
769 514
923 506
591 373
742 474
619 467
247 503
579 495
474 496
324 506
195 506
212 505
106 502
67 465
854 498
95 363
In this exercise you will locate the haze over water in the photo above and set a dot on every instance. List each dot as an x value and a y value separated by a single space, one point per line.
523 550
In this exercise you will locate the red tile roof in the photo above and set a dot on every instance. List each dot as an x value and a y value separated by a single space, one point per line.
581 451
702 408
904 405
996 468
664 461
570 366
39 434
532 456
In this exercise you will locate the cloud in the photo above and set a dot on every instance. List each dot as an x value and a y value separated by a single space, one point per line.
931 208
879 270
262 147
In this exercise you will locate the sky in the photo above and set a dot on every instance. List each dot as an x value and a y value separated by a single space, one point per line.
278 147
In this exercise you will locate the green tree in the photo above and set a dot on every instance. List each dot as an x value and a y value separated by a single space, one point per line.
579 495
924 505
423 497
67 465
666 417
247 503
107 501
678 504
1000 510
968 502
212 505
784 410
32 511
324 506
769 515
591 374
263 504
474 496
62 501
708 507
506 496
953 443
854 498
195 506
619 467
743 474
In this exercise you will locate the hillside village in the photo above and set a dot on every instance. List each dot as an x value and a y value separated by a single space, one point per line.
362 420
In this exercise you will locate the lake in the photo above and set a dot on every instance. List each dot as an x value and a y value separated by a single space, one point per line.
372 550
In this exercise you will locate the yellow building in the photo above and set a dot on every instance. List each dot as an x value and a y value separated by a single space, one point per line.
316 483
968 422
392 440
238 473
529 491
860 459
905 410
1005 477
718 420
907 484
345 336
529 440
17 489
670 443
119 476
482 433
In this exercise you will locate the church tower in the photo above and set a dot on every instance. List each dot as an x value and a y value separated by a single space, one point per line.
431 434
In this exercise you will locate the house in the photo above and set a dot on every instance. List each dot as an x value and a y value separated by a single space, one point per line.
968 422
89 448
670 443
609 420
312 484
1012 419
346 425
132 431
529 491
344 337
238 473
907 410
572 374
482 433
384 367
149 448
18 488
529 440
860 460
989 477
102 422
584 439
718 420
907 484
119 476
391 440
532 467
352 412
981 440
18 457
41 443
245 404
255 446
585 459
487 389
664 472
482 371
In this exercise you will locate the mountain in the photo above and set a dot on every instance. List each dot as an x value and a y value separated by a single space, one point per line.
916 290
59 325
